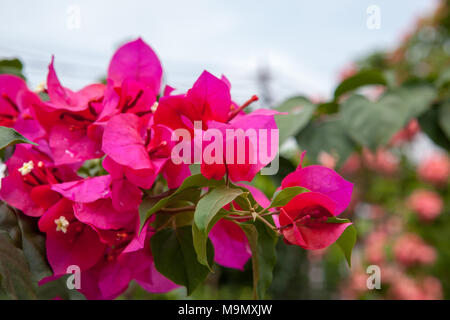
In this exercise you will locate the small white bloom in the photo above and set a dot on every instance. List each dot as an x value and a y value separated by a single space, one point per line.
154 107
26 168
61 224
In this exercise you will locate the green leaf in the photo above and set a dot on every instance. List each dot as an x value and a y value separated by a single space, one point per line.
373 124
429 124
262 242
194 181
175 257
300 111
26 236
58 288
16 278
13 66
326 136
9 223
9 136
362 78
282 197
33 246
207 213
444 118
347 241
444 78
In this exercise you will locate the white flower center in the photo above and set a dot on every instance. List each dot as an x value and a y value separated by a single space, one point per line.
154 107
26 168
61 224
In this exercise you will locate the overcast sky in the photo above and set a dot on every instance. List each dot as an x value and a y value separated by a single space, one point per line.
305 43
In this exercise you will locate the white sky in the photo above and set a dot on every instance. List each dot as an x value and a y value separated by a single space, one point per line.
305 43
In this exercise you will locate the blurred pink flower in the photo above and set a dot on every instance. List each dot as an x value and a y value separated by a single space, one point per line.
327 160
406 288
407 133
347 72
375 247
352 164
410 250
382 161
427 204
435 169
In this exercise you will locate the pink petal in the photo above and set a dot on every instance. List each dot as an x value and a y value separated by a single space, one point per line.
101 214
125 195
324 180
137 61
154 282
123 140
86 190
231 248
17 194
70 145
79 246
211 97
319 235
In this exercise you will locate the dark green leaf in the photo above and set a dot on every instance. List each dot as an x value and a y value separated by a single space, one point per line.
33 246
58 288
195 181
326 136
373 124
175 257
347 241
429 123
207 213
13 66
16 279
262 242
300 111
282 197
362 78
9 136
444 118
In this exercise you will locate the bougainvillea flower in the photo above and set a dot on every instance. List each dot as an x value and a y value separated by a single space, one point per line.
208 99
10 88
69 241
303 221
70 135
209 102
102 202
254 157
231 247
64 98
126 137
31 174
126 261
136 61
322 180
67 118
13 113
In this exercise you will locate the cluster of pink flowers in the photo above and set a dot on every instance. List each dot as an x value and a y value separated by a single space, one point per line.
93 222
410 249
383 161
406 288
427 204
407 133
435 169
